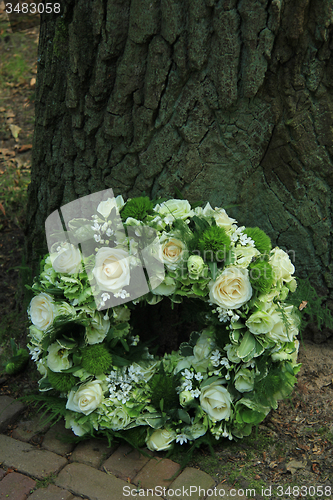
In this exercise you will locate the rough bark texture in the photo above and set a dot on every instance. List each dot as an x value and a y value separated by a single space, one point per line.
230 101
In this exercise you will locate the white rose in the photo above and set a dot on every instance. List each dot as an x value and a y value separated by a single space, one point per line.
86 399
57 358
174 209
260 322
42 309
215 400
105 207
172 251
160 439
244 380
112 269
222 219
232 288
97 329
67 259
282 266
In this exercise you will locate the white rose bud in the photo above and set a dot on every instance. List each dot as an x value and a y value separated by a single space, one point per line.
67 259
42 311
160 439
195 266
215 400
282 266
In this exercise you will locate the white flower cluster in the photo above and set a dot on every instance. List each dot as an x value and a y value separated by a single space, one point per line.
239 235
122 382
187 384
226 314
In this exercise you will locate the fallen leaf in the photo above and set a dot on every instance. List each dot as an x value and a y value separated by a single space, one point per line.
2 209
15 130
33 82
294 465
10 114
2 110
24 148
7 152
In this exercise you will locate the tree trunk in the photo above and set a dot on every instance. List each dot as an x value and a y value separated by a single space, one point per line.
226 101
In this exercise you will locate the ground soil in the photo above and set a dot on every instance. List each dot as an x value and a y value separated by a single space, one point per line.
294 444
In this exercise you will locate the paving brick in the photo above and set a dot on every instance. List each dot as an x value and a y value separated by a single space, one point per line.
52 492
15 486
157 472
92 452
28 459
92 483
9 411
2 473
125 462
194 482
52 439
28 429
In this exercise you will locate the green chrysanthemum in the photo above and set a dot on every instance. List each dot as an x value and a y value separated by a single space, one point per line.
96 359
138 208
164 387
214 244
261 240
261 276
62 382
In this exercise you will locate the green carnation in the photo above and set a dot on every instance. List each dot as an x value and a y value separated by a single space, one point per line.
96 359
261 276
261 240
62 382
164 387
138 208
214 244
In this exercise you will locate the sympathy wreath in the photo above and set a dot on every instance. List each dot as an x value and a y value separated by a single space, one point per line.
92 349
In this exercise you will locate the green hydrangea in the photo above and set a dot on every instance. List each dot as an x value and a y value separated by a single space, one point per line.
96 359
138 208
214 244
261 276
62 382
261 240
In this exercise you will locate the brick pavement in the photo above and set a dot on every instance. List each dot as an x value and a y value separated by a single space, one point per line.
36 465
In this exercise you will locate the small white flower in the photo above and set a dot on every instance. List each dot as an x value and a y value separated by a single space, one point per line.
198 376
105 296
187 374
181 438
195 393
109 232
97 238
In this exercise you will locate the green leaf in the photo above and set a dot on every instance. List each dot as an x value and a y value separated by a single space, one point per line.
213 269
185 349
124 343
209 381
184 416
198 290
247 345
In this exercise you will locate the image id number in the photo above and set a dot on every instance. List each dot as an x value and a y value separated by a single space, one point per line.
32 8
296 491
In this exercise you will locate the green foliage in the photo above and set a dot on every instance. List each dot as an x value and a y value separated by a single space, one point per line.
260 238
314 311
62 382
261 276
54 408
96 359
164 387
18 361
214 244
138 208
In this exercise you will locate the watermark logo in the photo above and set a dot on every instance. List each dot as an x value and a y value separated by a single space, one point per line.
122 264
26 14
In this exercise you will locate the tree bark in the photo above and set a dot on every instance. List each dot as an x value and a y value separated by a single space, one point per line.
227 101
